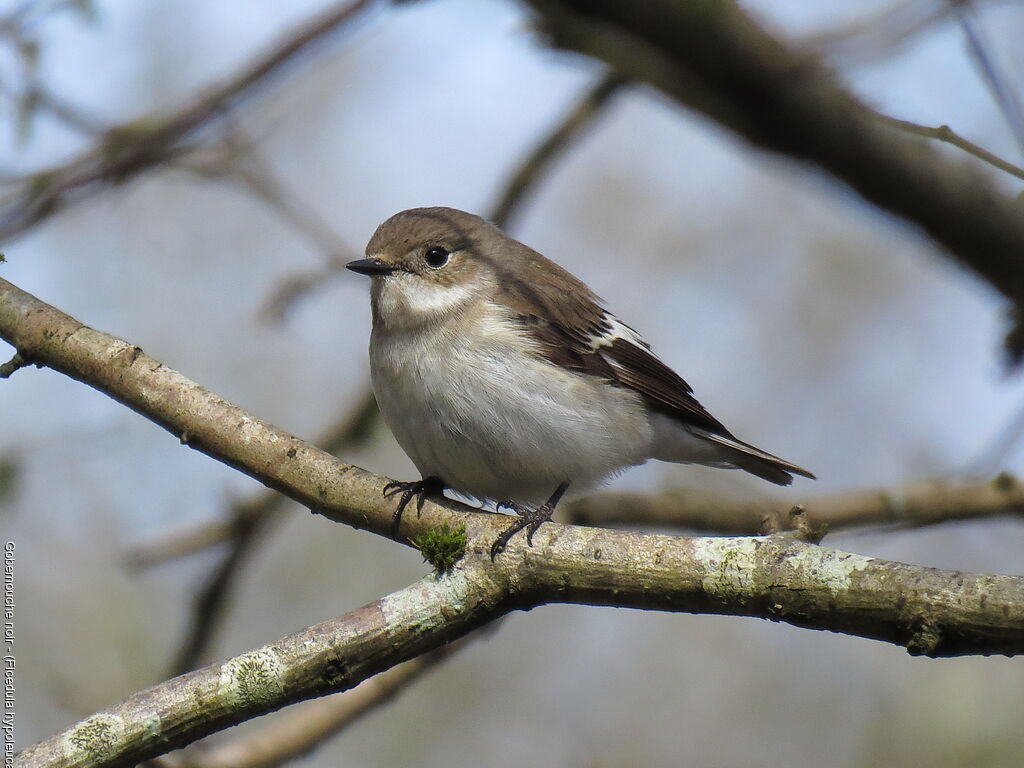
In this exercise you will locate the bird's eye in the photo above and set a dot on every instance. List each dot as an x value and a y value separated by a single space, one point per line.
436 257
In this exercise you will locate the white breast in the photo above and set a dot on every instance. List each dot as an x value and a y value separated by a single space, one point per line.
483 411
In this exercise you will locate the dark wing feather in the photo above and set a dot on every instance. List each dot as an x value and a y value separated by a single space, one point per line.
576 332
664 389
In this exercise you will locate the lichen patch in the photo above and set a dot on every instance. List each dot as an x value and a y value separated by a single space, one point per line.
254 678
97 736
730 564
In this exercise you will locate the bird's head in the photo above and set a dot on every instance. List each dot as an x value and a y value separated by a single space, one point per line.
427 263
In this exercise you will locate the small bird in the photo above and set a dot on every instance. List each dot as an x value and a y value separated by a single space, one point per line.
503 377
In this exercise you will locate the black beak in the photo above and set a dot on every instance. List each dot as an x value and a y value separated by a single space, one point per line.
370 267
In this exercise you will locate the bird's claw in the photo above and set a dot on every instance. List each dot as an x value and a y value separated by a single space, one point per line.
530 519
418 489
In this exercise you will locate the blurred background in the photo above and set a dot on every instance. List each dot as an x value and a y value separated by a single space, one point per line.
810 323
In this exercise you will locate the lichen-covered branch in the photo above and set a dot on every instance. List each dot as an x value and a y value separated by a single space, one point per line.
776 577
306 726
709 55
780 577
332 656
46 336
783 578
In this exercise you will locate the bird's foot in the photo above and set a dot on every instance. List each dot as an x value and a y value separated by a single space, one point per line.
529 518
418 489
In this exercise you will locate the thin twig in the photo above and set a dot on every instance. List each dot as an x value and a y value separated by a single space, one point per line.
234 159
991 458
882 29
1004 95
15 363
949 136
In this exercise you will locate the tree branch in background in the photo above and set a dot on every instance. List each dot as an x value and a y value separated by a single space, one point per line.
132 147
946 134
882 31
249 521
910 506
709 55
1003 94
536 164
518 187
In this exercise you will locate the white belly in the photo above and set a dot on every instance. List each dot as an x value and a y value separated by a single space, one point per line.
497 423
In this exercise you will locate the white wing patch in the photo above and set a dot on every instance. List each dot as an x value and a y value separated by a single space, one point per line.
617 330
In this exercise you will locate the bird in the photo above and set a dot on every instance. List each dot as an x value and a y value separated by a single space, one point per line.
504 378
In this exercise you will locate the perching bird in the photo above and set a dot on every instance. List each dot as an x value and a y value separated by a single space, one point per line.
503 378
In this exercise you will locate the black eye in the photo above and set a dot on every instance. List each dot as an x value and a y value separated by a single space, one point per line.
436 256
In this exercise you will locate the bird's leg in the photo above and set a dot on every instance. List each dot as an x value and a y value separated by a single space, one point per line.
418 488
530 519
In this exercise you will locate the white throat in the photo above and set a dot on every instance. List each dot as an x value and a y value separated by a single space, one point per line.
404 300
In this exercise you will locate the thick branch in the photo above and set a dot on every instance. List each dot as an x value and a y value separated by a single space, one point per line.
708 54
779 577
332 656
302 729
991 620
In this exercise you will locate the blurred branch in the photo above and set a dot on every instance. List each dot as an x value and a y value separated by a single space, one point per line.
233 159
248 521
709 55
1004 95
133 147
523 180
883 30
538 162
352 428
911 506
946 134
35 97
880 30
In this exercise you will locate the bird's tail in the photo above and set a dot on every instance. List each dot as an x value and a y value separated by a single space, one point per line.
753 460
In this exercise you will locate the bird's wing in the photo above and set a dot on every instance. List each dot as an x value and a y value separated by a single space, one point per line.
574 331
